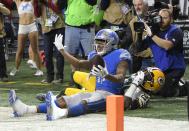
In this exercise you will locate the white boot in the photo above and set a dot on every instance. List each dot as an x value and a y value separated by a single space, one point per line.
54 112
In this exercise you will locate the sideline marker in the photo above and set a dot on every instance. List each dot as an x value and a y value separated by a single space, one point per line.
115 113
188 101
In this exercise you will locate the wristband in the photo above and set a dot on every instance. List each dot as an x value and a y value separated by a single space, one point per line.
130 92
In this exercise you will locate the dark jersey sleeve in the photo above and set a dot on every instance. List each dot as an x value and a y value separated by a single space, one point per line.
176 37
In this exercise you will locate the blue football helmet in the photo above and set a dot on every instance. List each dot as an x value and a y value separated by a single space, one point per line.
109 38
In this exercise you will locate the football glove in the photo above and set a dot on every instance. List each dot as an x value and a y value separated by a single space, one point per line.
58 41
139 78
143 100
99 71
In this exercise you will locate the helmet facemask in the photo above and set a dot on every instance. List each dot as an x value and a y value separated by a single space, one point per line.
154 79
107 37
106 45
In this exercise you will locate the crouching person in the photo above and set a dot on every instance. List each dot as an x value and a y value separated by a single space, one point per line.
109 80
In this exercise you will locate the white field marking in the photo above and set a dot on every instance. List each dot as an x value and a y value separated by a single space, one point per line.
6 89
90 122
10 82
184 98
36 84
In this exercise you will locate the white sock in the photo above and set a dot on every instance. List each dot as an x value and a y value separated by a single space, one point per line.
20 108
31 109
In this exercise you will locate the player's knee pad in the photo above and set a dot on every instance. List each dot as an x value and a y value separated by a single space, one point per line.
85 107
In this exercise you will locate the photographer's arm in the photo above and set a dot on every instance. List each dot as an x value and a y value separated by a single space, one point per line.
166 44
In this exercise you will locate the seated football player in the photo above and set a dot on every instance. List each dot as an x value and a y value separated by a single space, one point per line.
151 81
109 80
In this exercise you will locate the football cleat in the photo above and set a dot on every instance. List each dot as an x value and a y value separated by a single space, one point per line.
49 102
53 112
41 97
12 97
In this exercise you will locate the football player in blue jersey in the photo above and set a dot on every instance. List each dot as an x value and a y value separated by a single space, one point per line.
109 80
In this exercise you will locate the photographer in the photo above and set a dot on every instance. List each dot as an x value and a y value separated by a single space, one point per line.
167 49
142 56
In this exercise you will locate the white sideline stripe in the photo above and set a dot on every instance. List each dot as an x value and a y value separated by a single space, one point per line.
183 98
91 122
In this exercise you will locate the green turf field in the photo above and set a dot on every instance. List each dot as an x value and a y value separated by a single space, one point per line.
27 86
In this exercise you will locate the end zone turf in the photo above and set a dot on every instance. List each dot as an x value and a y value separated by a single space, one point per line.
90 122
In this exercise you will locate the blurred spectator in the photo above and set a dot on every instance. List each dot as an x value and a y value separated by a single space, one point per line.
3 69
118 13
52 22
80 27
8 26
142 57
117 16
9 29
27 28
167 49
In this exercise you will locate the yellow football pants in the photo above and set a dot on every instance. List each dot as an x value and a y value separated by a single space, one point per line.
82 78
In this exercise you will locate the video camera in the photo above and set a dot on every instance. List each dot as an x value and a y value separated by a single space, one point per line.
153 19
